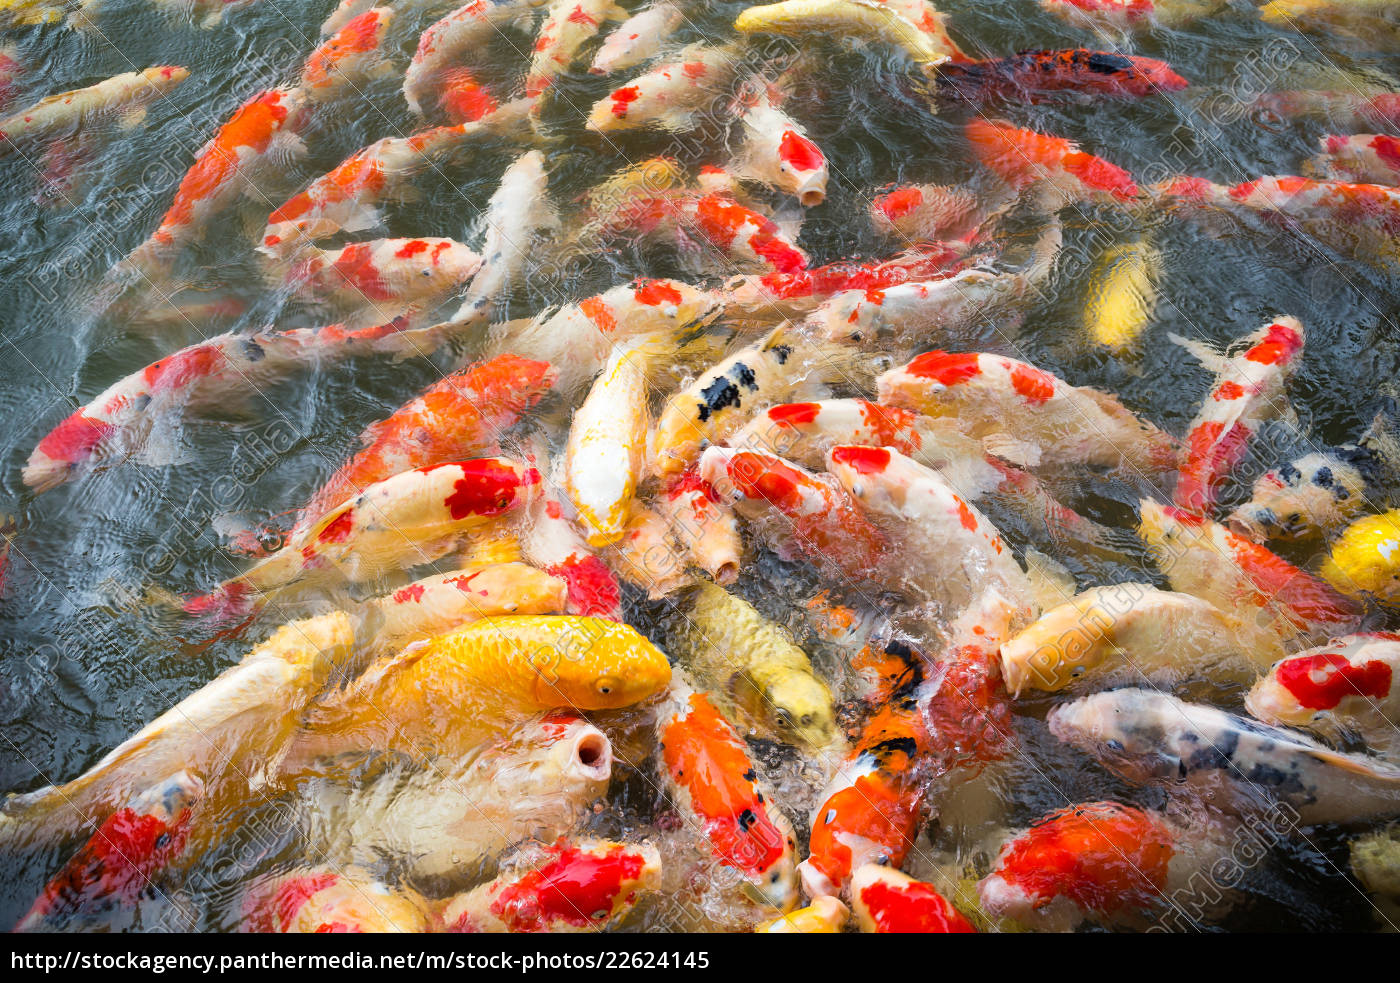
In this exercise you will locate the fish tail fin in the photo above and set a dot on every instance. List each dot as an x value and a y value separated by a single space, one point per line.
1200 350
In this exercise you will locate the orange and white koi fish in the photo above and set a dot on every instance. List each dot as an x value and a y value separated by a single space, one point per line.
519 217
796 512
936 212
607 445
344 12
262 129
950 715
440 822
552 543
1135 633
442 46
949 552
712 782
824 916
777 152
1354 111
331 901
706 529
1046 417
1316 494
1032 76
579 338
126 853
449 694
886 23
718 403
568 26
1236 763
118 423
671 96
414 517
752 666
455 418
1344 689
1367 158
1022 158
441 603
345 198
572 886
888 901
1248 392
389 276
780 295
1204 558
1338 206
73 113
744 239
343 63
1100 861
231 732
638 38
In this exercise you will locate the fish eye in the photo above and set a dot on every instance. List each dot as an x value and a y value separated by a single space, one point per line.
427 271
605 685
783 716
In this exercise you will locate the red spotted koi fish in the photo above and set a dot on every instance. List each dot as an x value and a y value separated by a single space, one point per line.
638 38
343 63
671 96
71 113
1023 157
568 26
1366 158
389 276
327 901
888 901
444 44
1032 76
777 152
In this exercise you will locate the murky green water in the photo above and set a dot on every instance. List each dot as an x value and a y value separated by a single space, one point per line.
85 660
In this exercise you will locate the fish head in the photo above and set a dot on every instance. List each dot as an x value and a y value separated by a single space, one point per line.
1169 532
601 665
871 474
799 704
1121 730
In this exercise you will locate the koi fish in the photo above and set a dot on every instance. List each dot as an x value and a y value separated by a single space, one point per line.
1029 76
1100 861
784 295
538 781
732 650
118 863
442 46
326 901
937 212
888 901
1335 210
638 38
1023 157
262 129
1150 738
69 113
1047 418
1367 158
569 24
344 12
579 338
1204 558
649 556
447 695
389 276
717 403
1122 294
1134 632
796 512
1363 562
232 732
118 423
412 518
453 419
867 21
1355 110
345 199
706 528
777 152
824 916
710 779
671 96
948 550
572 886
1341 689
1317 494
1248 392
551 543
349 58
518 217
463 99
939 717
743 238
438 604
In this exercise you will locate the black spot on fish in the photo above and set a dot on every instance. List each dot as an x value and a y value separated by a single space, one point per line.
252 351
781 353
719 394
747 819
1206 759
744 376
1107 64
750 775
1289 475
900 651
1266 518
1323 477
895 745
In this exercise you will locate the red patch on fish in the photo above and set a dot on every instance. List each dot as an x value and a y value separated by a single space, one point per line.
912 908
1099 174
485 488
899 202
1279 346
1387 148
862 460
966 516
578 16
572 887
1211 454
75 438
624 97
413 592
463 99
1034 385
654 292
597 311
946 368
1228 391
802 154
794 414
593 589
338 530
1320 682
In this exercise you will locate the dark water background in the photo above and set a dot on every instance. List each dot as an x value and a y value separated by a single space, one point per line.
85 661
